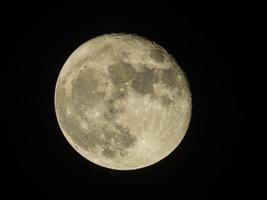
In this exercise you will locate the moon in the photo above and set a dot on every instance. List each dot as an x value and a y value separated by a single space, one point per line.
122 101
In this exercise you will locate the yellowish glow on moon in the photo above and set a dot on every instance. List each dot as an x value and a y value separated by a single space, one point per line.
122 101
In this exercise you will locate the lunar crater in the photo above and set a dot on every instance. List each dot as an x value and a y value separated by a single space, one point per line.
165 100
117 141
123 70
157 55
85 88
144 80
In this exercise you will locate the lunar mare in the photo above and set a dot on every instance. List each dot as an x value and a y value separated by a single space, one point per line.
122 101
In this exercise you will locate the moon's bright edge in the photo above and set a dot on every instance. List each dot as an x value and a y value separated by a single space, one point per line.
122 101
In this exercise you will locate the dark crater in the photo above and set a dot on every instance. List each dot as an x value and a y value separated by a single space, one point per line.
165 100
111 111
169 77
122 138
84 88
120 94
157 55
121 72
143 82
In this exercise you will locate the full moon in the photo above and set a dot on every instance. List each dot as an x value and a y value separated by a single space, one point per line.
122 101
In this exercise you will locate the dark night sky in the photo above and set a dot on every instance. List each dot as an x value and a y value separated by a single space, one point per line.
214 46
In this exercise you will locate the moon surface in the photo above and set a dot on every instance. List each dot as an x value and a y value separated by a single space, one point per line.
122 101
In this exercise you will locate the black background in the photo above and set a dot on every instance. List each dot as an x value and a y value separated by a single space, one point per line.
214 44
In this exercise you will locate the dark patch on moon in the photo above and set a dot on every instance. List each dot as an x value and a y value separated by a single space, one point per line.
80 137
157 55
99 135
108 153
165 100
109 116
122 139
143 82
111 111
125 139
119 94
169 77
83 138
84 88
104 50
88 139
121 72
